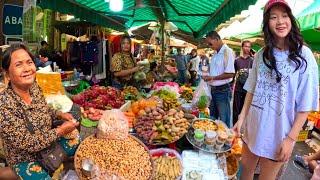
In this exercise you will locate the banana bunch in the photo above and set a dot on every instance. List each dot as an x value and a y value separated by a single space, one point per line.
170 104
186 93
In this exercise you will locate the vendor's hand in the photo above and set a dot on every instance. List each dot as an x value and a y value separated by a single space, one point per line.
237 127
285 150
137 68
66 128
66 116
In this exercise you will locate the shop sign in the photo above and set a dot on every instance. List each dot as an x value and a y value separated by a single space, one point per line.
12 19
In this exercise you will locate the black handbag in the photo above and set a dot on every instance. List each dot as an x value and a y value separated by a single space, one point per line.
51 157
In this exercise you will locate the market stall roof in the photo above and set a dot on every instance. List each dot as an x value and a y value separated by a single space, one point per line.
250 26
308 18
83 12
195 17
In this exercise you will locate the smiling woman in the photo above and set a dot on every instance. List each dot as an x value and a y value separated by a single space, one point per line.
26 120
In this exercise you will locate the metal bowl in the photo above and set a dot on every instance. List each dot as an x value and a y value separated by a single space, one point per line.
70 85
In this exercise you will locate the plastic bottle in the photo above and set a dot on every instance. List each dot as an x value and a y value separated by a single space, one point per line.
75 74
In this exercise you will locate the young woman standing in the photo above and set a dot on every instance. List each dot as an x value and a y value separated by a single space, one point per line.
282 89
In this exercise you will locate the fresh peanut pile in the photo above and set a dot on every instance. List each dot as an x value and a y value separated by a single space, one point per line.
124 158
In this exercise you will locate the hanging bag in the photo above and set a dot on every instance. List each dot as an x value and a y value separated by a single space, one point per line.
51 157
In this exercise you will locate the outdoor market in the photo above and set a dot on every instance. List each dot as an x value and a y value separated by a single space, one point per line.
159 89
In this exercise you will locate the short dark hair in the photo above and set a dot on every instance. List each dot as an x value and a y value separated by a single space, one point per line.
153 65
245 41
213 35
43 43
6 60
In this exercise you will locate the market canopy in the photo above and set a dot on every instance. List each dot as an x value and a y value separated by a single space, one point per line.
307 13
193 17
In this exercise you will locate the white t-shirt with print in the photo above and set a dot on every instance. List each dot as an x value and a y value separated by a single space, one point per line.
274 106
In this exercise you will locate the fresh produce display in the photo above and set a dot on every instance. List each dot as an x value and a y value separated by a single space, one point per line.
127 158
170 103
139 76
146 65
167 167
100 97
157 126
91 113
203 102
165 94
137 106
186 93
130 93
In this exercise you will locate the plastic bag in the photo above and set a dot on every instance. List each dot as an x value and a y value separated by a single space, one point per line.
113 125
71 175
202 95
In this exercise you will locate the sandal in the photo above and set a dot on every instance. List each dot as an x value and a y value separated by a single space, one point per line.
300 161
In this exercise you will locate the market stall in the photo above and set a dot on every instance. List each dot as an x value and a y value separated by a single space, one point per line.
132 131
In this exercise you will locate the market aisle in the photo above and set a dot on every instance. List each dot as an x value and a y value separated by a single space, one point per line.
294 172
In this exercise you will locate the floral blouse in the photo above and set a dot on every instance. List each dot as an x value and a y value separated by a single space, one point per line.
20 145
122 61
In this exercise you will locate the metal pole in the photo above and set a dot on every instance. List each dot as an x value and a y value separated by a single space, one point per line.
162 45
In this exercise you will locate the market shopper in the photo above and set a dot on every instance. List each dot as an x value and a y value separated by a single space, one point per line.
241 65
26 119
44 58
220 76
123 66
182 66
281 91
194 67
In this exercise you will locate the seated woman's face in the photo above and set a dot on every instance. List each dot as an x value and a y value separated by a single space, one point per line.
22 70
126 46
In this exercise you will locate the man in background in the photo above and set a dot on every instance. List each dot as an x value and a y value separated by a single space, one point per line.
182 62
242 65
44 55
220 76
194 67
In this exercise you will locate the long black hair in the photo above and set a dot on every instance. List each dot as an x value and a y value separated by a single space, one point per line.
6 60
294 41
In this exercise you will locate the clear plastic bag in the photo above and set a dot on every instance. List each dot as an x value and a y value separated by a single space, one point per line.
202 95
113 125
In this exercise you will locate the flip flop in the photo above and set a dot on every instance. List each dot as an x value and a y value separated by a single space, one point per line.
299 160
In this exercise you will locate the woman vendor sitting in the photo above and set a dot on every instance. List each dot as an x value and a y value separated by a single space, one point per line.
123 66
26 119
